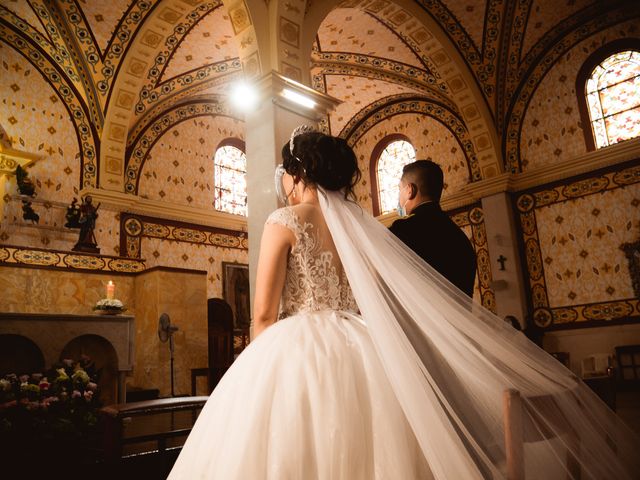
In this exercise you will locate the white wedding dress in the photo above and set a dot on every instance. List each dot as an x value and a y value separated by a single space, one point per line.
405 382
308 399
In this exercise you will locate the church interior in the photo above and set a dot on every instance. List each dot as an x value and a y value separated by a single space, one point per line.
139 138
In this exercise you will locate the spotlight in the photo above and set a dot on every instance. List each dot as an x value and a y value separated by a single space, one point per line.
298 98
243 96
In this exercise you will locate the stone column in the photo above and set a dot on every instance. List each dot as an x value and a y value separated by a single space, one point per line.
268 128
502 242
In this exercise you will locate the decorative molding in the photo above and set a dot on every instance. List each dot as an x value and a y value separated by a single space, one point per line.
617 154
11 158
346 63
271 86
388 107
139 150
164 210
134 227
586 315
538 63
38 257
60 80
473 216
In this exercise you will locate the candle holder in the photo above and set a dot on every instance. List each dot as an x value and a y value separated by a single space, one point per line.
109 306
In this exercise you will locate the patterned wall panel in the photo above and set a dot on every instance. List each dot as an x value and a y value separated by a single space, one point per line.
542 18
572 234
471 220
182 245
468 13
209 41
430 138
552 130
179 167
103 18
356 93
352 30
37 257
35 120
521 85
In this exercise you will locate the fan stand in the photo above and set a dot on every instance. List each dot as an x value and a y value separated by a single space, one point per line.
173 394
165 332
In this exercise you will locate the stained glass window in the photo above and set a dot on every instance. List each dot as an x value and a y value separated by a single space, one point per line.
230 172
389 170
613 98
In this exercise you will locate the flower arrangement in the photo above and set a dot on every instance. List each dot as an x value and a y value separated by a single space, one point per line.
43 411
109 305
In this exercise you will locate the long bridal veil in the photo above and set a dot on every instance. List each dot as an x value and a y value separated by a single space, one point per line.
480 397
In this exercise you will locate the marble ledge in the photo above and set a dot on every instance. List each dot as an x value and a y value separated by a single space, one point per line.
64 316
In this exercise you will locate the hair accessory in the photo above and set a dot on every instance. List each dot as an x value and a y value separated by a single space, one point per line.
299 130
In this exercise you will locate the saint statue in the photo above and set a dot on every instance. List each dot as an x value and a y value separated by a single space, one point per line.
87 224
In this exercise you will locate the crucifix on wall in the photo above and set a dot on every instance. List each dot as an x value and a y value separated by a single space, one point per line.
501 260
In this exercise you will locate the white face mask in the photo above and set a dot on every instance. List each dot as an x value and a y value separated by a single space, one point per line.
280 190
402 209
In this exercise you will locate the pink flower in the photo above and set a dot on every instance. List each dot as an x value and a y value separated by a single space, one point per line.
48 401
24 378
88 395
76 394
92 386
44 385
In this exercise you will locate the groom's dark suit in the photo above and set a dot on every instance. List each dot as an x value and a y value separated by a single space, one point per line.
430 233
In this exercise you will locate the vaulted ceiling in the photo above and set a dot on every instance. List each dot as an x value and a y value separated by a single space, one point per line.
472 63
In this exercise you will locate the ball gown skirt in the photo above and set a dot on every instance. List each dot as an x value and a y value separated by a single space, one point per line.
308 399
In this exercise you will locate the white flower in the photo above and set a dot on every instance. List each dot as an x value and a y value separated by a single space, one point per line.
109 303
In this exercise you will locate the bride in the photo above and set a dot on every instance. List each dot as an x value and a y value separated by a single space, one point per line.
367 364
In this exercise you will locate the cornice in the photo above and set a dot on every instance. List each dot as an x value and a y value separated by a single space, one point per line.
271 86
161 209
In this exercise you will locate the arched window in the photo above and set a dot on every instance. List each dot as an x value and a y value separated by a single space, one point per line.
230 172
612 89
388 158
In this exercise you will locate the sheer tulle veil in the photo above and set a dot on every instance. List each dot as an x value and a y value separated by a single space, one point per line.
452 364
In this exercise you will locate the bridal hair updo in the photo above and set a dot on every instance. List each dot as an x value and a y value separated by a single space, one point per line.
323 161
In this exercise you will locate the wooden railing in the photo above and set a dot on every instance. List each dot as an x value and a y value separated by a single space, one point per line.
118 417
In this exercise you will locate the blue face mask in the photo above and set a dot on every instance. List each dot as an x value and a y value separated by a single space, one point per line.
402 209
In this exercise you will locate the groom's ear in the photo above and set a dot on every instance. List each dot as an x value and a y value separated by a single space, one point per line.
414 191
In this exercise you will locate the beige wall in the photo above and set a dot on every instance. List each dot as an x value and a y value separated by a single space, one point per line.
581 343
180 293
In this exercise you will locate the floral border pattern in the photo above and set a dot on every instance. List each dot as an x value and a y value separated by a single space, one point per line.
587 315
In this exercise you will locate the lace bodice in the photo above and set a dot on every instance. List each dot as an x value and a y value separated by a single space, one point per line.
315 279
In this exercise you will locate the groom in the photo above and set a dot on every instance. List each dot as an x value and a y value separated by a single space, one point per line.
428 231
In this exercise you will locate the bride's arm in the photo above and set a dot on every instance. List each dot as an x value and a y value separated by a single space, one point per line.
270 277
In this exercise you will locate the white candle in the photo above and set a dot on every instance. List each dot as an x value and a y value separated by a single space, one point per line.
111 288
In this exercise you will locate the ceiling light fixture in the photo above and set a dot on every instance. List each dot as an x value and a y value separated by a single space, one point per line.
244 96
298 98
